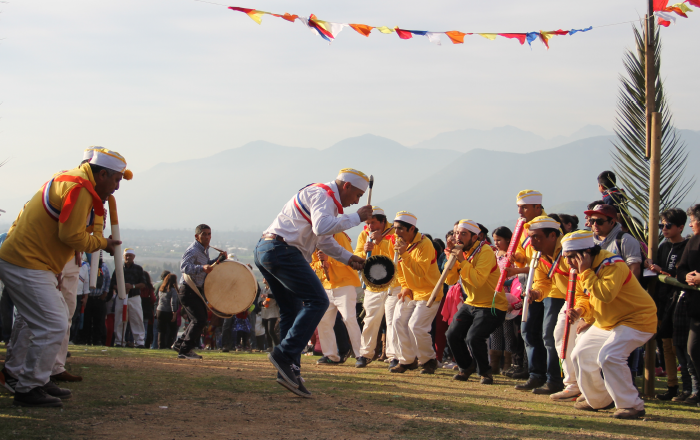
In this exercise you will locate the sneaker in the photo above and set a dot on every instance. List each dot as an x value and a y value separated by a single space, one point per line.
692 399
530 385
362 362
189 355
669 394
327 361
393 363
53 390
285 368
301 391
565 396
346 356
463 376
36 397
629 413
429 367
509 372
8 381
402 368
681 397
177 345
487 379
448 365
548 389
66 377
387 361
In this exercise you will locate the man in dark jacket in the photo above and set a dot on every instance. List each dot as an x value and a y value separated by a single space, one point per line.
611 194
668 257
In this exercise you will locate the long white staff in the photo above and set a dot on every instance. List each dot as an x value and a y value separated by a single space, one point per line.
95 258
530 275
118 259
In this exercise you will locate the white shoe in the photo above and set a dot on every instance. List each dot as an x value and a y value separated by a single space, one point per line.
449 365
565 396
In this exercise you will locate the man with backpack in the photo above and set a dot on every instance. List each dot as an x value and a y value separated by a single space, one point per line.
608 234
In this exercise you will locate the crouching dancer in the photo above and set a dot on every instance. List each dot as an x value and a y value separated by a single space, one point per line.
625 318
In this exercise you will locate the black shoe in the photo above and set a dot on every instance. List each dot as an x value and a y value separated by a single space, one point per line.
346 356
530 385
8 381
285 368
189 355
487 379
53 390
327 361
549 388
464 375
520 373
509 372
301 391
669 394
429 367
393 363
177 345
692 399
361 362
36 397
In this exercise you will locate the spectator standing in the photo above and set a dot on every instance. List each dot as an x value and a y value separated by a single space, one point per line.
82 296
166 311
270 314
94 331
148 300
612 195
608 234
135 280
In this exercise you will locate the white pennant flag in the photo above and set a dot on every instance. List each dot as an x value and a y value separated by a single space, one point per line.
434 37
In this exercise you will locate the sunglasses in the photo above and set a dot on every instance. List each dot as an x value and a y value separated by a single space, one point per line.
597 221
666 225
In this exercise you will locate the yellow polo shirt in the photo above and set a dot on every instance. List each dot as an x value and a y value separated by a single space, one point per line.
614 296
340 274
479 277
384 247
39 242
417 269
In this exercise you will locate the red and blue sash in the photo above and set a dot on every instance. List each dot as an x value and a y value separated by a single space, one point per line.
609 262
61 215
304 211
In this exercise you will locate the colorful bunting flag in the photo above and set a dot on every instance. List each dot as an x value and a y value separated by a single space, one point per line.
329 30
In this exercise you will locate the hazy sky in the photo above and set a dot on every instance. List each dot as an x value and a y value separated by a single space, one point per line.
166 80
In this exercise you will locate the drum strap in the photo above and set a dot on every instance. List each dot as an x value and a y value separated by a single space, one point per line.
193 286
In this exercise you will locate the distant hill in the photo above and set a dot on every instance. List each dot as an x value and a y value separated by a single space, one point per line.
508 138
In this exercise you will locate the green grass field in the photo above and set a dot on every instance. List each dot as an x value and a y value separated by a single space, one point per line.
129 393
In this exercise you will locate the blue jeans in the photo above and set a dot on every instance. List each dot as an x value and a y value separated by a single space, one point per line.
301 297
552 306
534 344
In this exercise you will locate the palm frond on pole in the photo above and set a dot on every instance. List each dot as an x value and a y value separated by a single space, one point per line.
629 155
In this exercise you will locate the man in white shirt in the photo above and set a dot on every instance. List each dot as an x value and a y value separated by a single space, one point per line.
308 221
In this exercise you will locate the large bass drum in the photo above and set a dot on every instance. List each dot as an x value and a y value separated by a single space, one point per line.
379 272
230 288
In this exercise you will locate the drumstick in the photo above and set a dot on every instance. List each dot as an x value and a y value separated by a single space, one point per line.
371 184
448 266
570 304
216 249
118 257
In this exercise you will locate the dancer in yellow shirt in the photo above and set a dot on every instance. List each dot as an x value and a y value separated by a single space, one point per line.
625 318
417 273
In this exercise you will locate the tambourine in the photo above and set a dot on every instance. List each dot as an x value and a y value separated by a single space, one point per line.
379 272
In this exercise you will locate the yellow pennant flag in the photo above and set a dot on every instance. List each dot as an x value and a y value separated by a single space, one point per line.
385 30
489 36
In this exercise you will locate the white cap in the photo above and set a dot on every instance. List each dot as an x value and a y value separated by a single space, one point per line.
529 197
109 159
89 152
543 222
469 225
376 210
407 217
129 251
577 240
358 179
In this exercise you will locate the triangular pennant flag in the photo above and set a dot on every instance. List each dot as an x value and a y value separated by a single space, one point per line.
693 2
421 33
457 37
665 16
362 29
532 36
573 31
403 34
519 37
385 30
660 5
287 16
489 36
434 37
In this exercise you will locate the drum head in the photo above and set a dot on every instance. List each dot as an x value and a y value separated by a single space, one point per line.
379 272
230 288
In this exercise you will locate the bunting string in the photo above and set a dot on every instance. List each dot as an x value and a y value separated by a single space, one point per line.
329 31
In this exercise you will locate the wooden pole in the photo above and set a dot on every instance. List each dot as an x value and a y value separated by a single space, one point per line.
649 73
654 195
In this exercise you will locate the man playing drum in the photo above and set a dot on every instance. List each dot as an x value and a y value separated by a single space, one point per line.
50 229
377 238
195 264
307 222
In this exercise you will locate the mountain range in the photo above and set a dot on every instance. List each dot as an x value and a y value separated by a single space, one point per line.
243 189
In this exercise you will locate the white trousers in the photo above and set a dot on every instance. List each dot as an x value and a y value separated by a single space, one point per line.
69 289
412 323
376 305
343 300
570 382
135 317
42 313
608 350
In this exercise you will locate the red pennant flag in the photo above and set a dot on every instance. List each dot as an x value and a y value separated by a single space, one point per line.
660 5
519 37
664 23
404 34
693 2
